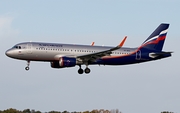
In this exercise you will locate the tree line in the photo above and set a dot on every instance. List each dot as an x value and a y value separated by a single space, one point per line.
11 110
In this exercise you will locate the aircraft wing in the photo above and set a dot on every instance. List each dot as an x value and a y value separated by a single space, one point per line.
94 56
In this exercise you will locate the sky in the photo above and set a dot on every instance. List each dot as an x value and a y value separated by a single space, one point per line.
150 87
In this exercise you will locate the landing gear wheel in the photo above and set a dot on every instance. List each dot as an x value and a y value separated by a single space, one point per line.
87 70
80 71
26 68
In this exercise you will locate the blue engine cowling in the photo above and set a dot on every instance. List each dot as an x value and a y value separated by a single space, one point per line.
64 62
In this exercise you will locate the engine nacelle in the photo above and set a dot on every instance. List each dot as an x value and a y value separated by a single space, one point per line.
64 62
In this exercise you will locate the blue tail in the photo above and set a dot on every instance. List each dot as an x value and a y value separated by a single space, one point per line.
156 40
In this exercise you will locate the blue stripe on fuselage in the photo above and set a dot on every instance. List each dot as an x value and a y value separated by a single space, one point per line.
131 58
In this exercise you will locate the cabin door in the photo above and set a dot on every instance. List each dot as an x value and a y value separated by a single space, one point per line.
29 48
138 55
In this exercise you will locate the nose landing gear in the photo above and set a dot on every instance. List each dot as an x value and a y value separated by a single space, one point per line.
27 68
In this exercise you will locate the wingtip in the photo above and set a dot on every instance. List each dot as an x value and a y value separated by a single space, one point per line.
123 41
92 44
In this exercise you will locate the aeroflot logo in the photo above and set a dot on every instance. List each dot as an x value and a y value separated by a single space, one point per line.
153 38
51 45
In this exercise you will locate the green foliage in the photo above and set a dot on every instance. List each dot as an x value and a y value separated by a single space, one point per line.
94 111
65 112
54 112
11 110
86 112
37 112
166 112
27 111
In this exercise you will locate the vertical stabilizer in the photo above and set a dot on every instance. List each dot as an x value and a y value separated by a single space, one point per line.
156 40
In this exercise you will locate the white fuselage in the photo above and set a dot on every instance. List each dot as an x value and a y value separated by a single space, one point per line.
36 51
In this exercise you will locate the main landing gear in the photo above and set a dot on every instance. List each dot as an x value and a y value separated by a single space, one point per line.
27 68
86 70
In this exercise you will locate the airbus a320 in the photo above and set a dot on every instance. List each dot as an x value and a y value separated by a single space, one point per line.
69 55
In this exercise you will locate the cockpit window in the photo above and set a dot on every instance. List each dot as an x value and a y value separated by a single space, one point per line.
17 47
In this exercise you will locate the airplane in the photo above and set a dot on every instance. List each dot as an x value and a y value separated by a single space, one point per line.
69 55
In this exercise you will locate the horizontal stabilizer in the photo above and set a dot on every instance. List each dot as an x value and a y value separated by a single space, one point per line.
154 55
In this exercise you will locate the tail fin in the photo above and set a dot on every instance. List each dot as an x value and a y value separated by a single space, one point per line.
156 40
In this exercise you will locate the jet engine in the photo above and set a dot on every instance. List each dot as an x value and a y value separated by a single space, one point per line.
64 62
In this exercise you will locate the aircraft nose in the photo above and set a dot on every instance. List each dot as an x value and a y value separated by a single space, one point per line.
9 53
